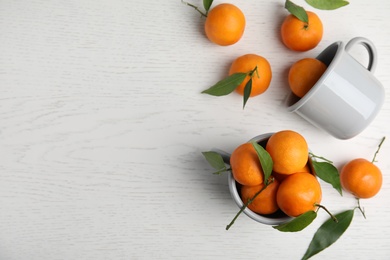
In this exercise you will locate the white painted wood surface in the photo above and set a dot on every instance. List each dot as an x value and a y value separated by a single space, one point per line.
102 126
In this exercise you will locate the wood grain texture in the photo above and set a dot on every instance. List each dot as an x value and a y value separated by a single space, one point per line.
102 126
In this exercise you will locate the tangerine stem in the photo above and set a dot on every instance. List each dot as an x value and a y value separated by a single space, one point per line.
247 203
253 72
195 7
327 211
360 208
377 151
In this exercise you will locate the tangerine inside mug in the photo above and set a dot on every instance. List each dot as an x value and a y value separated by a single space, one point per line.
347 97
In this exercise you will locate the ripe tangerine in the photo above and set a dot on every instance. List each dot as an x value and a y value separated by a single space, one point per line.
265 202
300 36
304 74
288 150
299 193
361 177
245 165
261 78
225 24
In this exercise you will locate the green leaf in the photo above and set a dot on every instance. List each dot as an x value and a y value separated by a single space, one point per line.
207 4
247 91
328 173
227 85
327 4
265 161
296 10
216 161
298 223
329 232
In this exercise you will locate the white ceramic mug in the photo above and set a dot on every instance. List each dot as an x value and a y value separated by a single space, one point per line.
347 97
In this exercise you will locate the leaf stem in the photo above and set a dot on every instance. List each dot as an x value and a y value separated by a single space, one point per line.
195 7
253 72
248 203
327 211
319 157
360 208
379 147
220 171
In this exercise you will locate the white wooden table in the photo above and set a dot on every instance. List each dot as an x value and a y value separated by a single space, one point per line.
102 126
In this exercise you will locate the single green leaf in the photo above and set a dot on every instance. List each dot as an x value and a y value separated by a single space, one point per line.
298 223
327 4
296 10
227 85
328 173
216 161
329 232
207 4
265 160
247 91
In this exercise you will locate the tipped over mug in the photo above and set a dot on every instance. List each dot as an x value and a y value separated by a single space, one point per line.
347 97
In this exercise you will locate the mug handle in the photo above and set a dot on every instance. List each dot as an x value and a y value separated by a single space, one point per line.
370 48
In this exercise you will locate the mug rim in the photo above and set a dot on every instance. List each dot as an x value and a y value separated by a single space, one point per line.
302 101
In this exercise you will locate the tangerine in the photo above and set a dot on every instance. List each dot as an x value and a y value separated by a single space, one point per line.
265 201
299 193
225 24
245 165
361 177
261 68
288 150
304 74
300 36
280 176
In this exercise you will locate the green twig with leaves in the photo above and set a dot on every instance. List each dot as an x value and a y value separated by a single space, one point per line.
330 231
230 83
326 171
206 5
